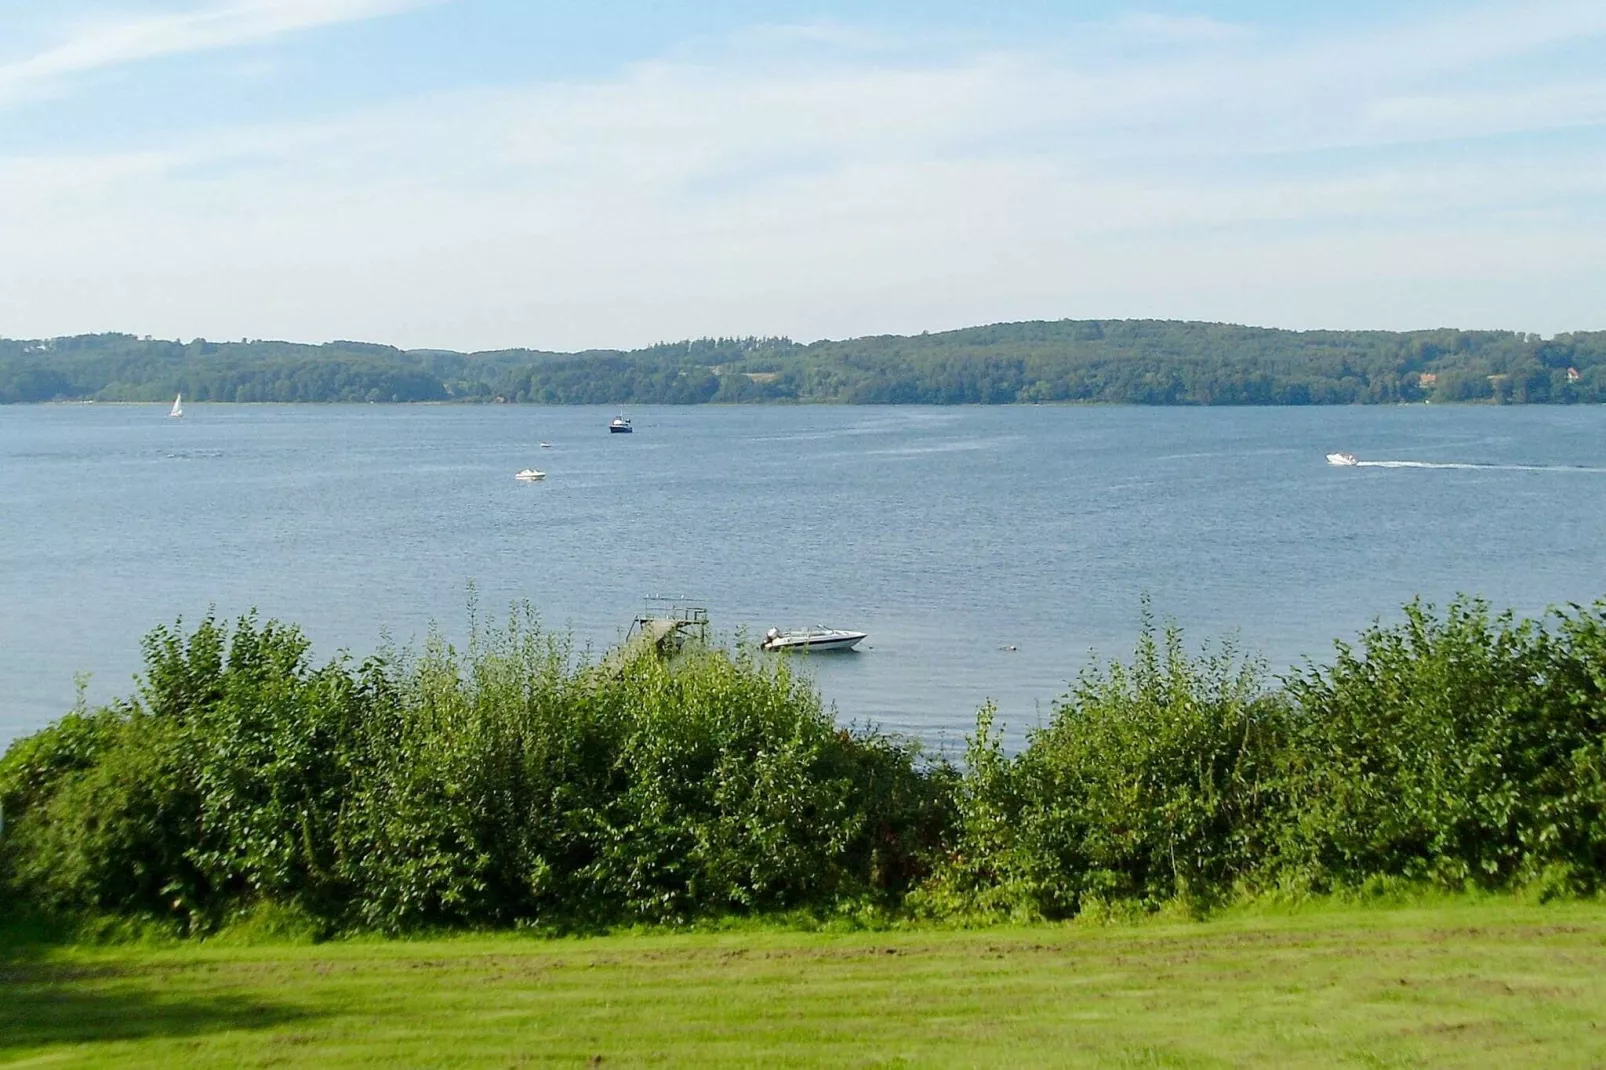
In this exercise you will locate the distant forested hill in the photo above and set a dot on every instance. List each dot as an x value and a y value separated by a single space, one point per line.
1146 362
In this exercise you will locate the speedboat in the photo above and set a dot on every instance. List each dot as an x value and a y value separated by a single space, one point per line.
813 639
530 475
1347 460
546 445
619 425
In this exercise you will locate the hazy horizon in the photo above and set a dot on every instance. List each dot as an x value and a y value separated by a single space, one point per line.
603 348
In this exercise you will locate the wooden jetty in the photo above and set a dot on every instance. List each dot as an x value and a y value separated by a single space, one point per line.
662 629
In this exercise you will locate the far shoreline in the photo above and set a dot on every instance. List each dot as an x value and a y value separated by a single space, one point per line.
813 403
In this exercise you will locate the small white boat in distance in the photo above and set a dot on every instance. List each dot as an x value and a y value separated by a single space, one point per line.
530 475
1347 460
546 445
178 407
619 425
811 639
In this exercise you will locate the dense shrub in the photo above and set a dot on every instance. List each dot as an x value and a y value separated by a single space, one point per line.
513 783
508 783
1456 749
99 818
1151 780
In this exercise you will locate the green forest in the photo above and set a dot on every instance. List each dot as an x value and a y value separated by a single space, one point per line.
1143 362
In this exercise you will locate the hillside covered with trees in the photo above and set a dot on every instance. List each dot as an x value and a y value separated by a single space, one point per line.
1146 362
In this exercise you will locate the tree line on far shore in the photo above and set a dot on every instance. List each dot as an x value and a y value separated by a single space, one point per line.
516 784
1147 362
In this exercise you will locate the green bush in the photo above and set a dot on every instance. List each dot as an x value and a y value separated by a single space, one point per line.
509 786
506 784
98 817
1151 781
1456 749
513 783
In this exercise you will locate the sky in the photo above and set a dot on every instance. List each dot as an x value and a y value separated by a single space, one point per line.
473 174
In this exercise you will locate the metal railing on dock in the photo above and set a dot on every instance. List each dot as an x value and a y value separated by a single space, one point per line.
663 627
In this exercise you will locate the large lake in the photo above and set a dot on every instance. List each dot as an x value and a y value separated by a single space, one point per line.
987 551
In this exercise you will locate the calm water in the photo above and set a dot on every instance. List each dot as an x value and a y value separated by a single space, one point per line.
950 535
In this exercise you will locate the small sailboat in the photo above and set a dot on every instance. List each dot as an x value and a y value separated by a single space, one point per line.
178 407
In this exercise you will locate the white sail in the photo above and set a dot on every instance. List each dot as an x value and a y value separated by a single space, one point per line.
178 406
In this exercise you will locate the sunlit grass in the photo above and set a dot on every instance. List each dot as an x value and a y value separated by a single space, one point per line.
1452 983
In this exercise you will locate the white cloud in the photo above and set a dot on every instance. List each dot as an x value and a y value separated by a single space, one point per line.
1183 29
115 41
1256 180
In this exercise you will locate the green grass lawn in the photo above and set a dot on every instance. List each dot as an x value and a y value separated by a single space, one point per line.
1456 984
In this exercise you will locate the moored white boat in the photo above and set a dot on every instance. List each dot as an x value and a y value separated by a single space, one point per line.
1347 460
530 475
817 640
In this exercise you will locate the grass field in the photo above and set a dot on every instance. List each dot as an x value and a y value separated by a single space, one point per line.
1451 984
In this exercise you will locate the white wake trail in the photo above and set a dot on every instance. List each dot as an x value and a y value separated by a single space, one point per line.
1467 466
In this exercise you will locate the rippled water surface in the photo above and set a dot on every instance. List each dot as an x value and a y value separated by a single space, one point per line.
987 551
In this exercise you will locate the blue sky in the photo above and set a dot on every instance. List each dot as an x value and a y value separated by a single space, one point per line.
478 173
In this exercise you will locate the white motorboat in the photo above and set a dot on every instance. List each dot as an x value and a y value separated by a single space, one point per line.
1346 460
178 407
619 425
816 639
530 475
546 445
